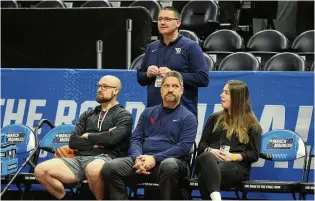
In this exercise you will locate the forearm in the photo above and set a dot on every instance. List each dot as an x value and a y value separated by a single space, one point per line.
202 147
121 130
196 79
177 151
136 140
251 153
142 78
135 150
79 143
108 138
99 138
205 137
250 156
237 157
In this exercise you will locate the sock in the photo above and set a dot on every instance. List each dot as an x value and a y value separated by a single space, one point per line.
215 196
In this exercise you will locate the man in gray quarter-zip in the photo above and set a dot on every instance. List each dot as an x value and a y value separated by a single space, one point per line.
100 135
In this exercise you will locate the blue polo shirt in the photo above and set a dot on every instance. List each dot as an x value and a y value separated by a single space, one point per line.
182 55
164 133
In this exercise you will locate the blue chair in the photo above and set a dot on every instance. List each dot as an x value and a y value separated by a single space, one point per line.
278 145
58 136
26 144
55 138
307 187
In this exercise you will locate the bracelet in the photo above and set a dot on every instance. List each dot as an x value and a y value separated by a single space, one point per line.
233 157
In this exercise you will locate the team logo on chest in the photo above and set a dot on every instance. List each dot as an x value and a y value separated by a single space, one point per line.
152 120
178 50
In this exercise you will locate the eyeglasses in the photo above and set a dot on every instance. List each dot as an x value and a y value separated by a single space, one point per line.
166 19
104 87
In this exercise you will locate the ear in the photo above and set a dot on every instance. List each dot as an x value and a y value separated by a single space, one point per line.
179 22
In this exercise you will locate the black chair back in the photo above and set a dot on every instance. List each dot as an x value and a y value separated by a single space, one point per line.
239 61
286 61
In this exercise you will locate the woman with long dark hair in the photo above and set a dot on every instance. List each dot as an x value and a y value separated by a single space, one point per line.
230 142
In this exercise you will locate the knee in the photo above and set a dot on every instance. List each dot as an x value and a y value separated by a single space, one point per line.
41 170
108 170
93 171
205 156
204 159
169 167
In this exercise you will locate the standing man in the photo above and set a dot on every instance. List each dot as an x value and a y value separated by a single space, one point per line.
173 52
100 135
159 146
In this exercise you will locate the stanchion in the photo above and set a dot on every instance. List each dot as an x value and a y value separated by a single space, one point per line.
129 31
99 52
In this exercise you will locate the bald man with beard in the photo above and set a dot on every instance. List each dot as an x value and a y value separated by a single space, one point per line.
101 135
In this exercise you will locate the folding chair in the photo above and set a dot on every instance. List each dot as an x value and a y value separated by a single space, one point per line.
55 138
30 143
155 186
26 143
307 187
278 145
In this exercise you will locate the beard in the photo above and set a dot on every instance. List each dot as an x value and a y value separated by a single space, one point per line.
171 98
100 99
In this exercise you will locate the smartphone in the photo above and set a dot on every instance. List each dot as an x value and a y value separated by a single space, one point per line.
225 148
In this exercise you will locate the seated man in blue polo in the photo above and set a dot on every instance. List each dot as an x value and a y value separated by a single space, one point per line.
159 146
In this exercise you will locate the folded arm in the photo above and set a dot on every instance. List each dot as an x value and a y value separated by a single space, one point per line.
122 129
76 141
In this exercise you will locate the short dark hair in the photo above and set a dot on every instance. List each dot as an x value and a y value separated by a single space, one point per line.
174 10
175 74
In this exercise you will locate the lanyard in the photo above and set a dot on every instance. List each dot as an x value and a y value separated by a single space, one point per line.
100 122
167 61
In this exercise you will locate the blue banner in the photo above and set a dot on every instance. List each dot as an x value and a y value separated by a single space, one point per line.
279 99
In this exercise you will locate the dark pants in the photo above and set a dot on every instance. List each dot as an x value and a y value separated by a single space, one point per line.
120 172
213 175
